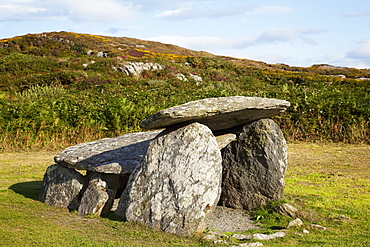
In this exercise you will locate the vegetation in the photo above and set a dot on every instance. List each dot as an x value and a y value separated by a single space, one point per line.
323 181
55 91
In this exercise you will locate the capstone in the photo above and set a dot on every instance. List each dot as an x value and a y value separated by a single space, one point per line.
217 113
119 155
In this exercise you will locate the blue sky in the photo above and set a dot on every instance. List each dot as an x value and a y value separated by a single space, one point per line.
294 32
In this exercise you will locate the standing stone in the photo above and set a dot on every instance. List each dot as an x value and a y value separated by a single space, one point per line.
61 187
178 183
96 196
254 166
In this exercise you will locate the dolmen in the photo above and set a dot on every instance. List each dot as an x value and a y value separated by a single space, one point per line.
218 151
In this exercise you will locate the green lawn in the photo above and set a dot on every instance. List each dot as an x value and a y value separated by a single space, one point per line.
323 180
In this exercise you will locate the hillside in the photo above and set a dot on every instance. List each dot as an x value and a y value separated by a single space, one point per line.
62 44
62 88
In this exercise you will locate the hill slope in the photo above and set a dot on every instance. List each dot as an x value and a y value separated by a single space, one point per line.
61 88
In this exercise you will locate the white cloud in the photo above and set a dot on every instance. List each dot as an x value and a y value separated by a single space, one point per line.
360 56
20 10
269 36
361 52
357 14
100 10
192 10
197 43
76 10
184 12
271 10
273 35
153 5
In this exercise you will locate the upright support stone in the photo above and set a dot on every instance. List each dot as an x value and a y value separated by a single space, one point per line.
61 187
97 196
254 166
178 183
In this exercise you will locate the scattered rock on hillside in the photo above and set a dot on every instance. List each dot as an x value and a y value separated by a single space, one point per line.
254 166
319 227
259 236
118 155
287 210
136 68
178 184
217 113
295 222
255 244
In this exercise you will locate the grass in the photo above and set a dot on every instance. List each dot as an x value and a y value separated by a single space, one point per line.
323 180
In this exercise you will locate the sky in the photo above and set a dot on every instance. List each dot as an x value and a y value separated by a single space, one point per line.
293 32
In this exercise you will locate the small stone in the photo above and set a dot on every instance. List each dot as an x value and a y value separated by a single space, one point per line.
261 236
343 217
305 231
95 197
296 222
210 237
287 210
220 241
242 236
255 244
323 228
225 139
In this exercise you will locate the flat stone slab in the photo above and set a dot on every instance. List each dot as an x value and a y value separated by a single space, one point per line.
118 155
217 113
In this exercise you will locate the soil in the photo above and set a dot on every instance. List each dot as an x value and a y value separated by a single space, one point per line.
225 219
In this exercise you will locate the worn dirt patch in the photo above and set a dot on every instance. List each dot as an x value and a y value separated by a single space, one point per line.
225 219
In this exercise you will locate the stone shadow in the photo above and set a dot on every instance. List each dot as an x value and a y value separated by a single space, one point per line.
28 189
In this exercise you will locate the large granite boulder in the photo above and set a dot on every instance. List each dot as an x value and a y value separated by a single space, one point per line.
118 155
254 166
61 187
217 113
178 183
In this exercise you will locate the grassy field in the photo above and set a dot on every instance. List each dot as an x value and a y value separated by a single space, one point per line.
323 180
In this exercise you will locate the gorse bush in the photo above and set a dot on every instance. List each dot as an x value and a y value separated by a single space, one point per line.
53 100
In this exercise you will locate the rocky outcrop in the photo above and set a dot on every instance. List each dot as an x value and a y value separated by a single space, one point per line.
254 166
61 187
136 68
217 113
178 183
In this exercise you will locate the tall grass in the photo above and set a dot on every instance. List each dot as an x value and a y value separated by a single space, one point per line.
52 100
